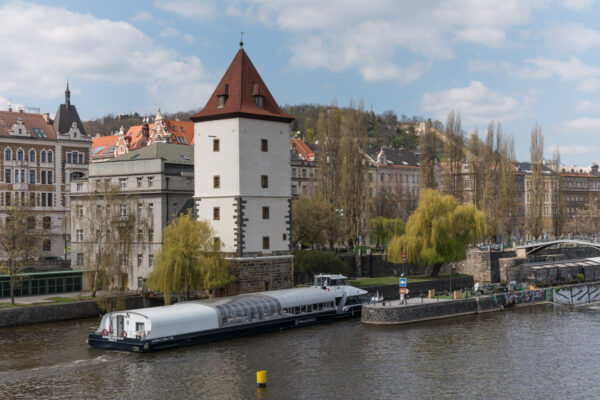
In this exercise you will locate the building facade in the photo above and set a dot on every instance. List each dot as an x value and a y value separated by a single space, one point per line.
243 177
304 168
155 184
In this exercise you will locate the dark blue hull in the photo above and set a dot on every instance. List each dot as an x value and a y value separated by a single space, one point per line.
141 345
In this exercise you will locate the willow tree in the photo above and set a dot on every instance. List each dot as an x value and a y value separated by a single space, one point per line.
439 231
190 259
384 229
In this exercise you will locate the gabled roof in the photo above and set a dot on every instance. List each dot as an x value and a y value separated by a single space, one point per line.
169 152
240 84
104 146
182 132
66 115
526 167
393 157
34 123
303 150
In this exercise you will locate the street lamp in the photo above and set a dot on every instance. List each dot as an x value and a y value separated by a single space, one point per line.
452 268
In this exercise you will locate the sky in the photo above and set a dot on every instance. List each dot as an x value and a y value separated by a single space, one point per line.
517 62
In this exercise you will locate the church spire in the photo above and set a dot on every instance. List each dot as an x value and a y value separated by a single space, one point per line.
67 96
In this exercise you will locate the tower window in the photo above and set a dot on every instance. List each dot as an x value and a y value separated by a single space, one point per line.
266 243
216 145
264 181
265 212
216 181
221 99
264 145
260 101
216 213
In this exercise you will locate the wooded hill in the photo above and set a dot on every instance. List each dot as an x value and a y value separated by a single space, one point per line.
385 129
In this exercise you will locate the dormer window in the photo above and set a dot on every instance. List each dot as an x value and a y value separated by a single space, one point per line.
260 101
221 99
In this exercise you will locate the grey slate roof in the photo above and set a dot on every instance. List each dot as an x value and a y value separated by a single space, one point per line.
171 153
395 157
65 116
526 167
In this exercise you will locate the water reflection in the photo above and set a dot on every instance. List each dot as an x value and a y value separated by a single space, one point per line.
531 352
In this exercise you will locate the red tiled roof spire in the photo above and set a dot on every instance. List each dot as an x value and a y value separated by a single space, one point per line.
241 93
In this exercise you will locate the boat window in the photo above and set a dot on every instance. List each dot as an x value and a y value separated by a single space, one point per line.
297 310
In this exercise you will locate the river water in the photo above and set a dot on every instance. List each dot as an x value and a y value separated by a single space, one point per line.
534 352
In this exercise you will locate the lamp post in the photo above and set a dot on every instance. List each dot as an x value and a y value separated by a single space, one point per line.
452 268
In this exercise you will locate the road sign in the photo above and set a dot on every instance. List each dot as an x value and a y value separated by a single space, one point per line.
404 257
402 282
403 290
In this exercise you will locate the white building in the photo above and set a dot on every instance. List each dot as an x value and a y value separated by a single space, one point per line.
243 177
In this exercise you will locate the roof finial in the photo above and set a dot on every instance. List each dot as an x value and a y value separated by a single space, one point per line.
241 39
67 95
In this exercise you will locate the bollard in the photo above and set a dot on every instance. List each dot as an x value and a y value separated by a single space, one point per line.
261 379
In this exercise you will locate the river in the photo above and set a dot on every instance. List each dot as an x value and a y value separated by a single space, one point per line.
534 352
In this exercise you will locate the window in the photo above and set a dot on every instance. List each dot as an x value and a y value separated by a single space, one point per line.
43 199
284 237
221 99
139 182
150 181
79 258
49 156
304 174
43 177
123 183
47 245
79 211
294 173
20 155
150 260
31 155
217 244
150 209
264 145
80 158
294 189
79 235
216 181
140 260
8 198
8 154
43 155
123 210
216 145
264 181
79 187
266 243
49 177
259 101
32 199
150 234
69 158
265 212
216 213
139 210
30 222
140 235
188 182
7 175
49 199
31 176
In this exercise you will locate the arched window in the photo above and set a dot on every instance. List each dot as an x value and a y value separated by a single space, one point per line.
43 155
20 155
31 155
47 245
49 156
8 154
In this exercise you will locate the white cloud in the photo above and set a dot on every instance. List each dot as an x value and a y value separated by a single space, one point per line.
62 43
578 5
588 85
588 106
583 125
572 149
141 16
169 32
572 37
571 70
187 8
477 104
367 36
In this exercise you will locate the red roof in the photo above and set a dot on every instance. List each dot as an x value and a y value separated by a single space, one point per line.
302 149
182 132
104 146
34 123
239 86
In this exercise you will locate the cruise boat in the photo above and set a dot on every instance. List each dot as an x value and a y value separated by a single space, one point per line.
193 322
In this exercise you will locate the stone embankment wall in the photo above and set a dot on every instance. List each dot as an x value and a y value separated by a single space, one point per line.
260 273
484 265
379 315
59 312
374 265
416 288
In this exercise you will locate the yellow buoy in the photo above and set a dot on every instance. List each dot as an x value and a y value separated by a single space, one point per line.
261 378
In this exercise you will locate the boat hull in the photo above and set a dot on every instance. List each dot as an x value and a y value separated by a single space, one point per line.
148 345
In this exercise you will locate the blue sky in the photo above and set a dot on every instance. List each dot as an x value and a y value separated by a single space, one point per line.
514 61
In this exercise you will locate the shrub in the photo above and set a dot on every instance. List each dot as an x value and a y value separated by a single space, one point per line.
579 277
314 262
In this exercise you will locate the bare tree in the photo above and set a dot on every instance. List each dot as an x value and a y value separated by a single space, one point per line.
535 202
454 147
329 132
18 242
558 197
428 156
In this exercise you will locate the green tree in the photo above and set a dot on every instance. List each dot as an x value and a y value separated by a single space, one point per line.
18 243
439 231
315 222
315 262
190 259
384 229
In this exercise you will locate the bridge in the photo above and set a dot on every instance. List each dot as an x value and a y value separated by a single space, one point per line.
532 248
